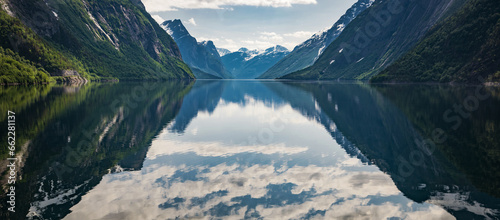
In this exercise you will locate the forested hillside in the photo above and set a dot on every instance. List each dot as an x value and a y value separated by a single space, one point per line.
93 39
463 48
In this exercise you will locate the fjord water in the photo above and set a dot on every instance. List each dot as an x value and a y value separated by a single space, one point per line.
252 149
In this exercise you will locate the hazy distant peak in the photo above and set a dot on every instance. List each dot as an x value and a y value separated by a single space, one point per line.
223 51
277 48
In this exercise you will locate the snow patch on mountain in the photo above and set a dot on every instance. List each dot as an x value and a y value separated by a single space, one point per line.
340 27
249 64
222 52
251 54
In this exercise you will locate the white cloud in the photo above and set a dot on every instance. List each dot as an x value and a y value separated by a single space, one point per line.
174 5
270 36
217 149
300 34
158 19
191 21
257 44
138 194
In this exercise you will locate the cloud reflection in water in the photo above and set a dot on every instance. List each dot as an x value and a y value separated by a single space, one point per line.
211 170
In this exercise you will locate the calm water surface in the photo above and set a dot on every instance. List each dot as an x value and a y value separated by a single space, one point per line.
255 150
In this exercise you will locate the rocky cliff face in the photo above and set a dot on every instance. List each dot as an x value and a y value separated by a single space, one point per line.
202 57
115 38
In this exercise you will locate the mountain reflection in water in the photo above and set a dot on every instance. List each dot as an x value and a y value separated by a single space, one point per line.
272 150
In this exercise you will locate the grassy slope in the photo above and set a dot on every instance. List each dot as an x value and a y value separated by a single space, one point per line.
462 48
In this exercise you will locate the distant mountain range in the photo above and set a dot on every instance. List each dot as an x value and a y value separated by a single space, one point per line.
377 37
249 64
307 53
201 57
209 62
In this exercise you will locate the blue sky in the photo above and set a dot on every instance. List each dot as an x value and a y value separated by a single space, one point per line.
254 24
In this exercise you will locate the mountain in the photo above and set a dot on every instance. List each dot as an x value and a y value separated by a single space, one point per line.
462 48
223 52
305 54
91 39
249 64
376 38
202 57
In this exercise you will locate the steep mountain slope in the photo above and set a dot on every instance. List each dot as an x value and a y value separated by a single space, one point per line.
249 64
376 38
202 57
463 48
111 38
26 57
307 53
15 69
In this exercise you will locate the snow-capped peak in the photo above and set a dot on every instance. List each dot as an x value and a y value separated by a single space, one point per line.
279 48
250 54
222 52
246 50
